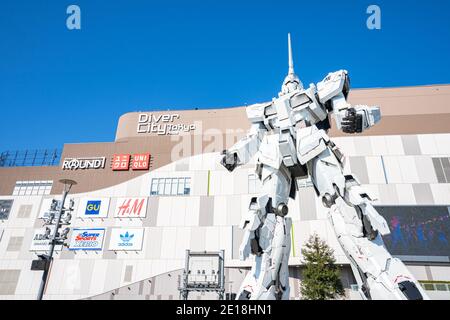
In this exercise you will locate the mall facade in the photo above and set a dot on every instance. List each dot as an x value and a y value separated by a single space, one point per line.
159 189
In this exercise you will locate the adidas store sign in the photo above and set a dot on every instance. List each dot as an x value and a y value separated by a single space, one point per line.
126 239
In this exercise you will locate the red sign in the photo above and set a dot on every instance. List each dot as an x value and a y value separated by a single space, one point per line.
131 208
141 161
121 162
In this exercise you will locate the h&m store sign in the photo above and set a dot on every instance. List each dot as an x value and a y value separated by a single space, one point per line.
119 162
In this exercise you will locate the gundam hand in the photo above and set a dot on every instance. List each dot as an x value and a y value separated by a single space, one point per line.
352 122
229 160
360 118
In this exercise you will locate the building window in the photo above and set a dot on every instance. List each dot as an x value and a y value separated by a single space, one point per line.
8 281
170 186
435 285
442 169
14 244
32 188
24 211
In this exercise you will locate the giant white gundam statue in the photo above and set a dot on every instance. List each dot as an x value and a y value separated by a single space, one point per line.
289 138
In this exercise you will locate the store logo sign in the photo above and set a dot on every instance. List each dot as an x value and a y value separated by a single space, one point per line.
131 208
126 238
130 239
41 240
93 207
121 162
162 124
83 163
87 239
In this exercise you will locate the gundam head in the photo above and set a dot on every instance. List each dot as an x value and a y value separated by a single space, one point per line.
291 82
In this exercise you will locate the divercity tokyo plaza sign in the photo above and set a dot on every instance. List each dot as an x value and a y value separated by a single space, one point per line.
162 124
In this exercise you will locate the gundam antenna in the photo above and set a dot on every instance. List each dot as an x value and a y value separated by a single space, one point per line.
291 62
291 82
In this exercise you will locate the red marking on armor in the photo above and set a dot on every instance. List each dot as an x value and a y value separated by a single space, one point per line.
401 276
250 287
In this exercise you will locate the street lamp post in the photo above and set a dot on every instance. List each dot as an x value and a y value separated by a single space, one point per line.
53 237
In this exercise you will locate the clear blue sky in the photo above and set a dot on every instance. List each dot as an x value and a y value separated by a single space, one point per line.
60 86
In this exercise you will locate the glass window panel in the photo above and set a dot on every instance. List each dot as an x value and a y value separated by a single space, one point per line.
438 169
428 286
167 187
174 190
446 168
187 186
161 186
441 287
154 189
180 186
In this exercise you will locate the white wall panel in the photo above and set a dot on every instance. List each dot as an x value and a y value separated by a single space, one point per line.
393 171
441 193
375 170
192 211
394 145
427 144
220 211
168 243
379 146
408 169
405 194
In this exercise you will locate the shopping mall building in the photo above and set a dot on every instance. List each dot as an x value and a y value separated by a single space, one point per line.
160 183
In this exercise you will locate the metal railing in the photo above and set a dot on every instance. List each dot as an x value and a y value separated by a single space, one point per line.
30 158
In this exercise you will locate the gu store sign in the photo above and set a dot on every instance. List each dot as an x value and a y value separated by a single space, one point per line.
93 208
126 239
87 239
131 208
84 163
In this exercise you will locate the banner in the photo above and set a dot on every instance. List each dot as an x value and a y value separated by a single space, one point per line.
87 239
45 206
126 239
40 242
93 208
131 208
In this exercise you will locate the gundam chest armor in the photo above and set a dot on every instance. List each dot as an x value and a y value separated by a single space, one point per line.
288 137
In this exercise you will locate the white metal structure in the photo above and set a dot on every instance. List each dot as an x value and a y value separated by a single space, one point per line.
289 138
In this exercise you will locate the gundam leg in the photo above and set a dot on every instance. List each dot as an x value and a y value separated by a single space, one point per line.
358 227
267 238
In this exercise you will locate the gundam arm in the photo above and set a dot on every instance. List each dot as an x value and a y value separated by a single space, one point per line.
244 149
333 92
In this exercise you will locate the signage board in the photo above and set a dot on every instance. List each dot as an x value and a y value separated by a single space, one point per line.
121 162
141 161
87 239
162 124
90 207
40 241
84 163
45 207
126 239
131 208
